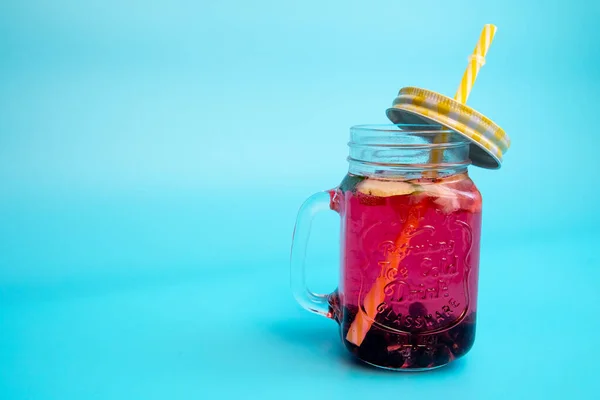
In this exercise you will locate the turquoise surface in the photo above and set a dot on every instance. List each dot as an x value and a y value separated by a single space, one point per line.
153 156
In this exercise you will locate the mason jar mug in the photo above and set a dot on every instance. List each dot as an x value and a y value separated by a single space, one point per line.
410 231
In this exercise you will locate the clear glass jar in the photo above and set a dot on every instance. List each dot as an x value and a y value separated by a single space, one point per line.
410 232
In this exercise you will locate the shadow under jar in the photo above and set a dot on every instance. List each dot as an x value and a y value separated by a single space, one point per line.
410 233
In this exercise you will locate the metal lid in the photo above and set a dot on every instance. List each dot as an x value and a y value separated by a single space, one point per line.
420 106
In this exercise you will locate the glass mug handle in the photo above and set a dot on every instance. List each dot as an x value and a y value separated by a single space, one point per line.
317 303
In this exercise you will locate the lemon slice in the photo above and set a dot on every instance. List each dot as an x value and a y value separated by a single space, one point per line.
381 188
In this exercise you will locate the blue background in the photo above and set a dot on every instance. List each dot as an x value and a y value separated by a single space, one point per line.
153 155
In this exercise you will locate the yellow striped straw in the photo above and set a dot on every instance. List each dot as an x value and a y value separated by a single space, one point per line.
366 315
476 61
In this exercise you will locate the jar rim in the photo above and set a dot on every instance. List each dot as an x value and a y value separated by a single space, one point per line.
406 135
398 130
402 148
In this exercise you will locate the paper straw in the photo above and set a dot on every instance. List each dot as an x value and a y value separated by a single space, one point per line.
364 318
476 61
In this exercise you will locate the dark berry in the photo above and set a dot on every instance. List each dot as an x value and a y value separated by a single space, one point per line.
417 309
463 339
411 351
395 360
441 356
373 349
423 357
349 312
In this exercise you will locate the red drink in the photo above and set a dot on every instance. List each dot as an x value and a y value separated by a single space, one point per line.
410 257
